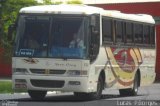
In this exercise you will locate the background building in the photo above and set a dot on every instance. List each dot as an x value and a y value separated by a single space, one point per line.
151 7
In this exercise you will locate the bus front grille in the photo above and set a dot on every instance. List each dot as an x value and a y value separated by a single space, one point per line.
43 71
47 83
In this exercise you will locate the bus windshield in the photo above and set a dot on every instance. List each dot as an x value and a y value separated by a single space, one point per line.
52 36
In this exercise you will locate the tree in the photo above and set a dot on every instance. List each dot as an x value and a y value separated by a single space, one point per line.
74 2
47 2
60 2
10 9
8 12
1 3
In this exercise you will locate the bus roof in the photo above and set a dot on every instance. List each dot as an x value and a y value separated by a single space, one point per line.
84 9
62 9
132 17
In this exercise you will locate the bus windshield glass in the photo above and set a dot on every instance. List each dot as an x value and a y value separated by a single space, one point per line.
52 36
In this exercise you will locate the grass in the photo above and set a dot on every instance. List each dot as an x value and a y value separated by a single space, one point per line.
6 87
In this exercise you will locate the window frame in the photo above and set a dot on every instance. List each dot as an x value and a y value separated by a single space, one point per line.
124 43
111 29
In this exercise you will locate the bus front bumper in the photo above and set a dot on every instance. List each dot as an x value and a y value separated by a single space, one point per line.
52 83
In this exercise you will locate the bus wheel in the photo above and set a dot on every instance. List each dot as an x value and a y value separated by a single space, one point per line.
100 86
134 90
131 91
92 95
37 95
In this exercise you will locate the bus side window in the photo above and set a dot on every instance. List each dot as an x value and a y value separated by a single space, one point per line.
119 32
138 31
129 33
152 34
146 34
107 31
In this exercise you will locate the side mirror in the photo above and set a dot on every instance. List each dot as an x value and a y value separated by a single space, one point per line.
94 23
11 29
93 20
95 35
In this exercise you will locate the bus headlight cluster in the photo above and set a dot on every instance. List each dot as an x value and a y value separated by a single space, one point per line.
20 71
20 83
77 72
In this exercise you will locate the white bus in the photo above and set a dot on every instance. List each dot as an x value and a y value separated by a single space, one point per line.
116 51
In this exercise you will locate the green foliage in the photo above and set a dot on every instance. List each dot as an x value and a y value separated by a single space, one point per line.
47 2
8 14
57 2
9 10
74 2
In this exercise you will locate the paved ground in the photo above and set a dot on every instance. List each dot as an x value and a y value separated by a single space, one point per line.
147 96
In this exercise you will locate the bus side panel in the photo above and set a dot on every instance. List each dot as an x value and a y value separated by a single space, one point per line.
124 64
120 65
147 68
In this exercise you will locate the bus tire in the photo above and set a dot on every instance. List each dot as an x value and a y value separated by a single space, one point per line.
100 86
131 91
37 95
92 95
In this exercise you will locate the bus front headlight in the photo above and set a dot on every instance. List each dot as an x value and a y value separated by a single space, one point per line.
77 72
20 71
